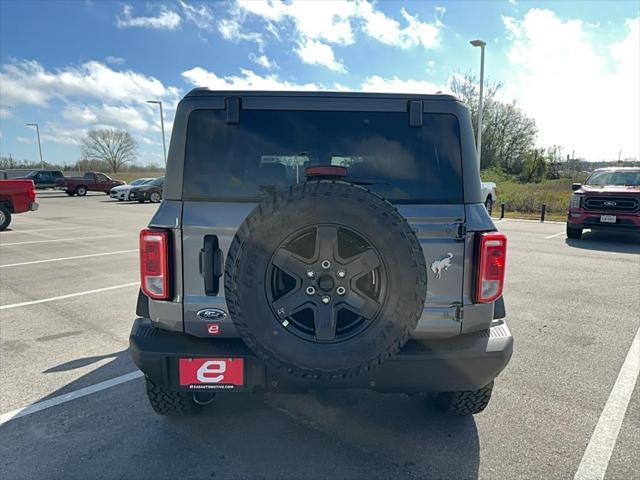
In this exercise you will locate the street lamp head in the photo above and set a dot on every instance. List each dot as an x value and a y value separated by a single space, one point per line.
154 101
477 43
32 124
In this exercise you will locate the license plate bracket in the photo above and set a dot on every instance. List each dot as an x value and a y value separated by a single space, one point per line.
608 219
214 373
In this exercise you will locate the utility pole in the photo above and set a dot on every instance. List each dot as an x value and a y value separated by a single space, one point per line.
164 145
481 44
39 145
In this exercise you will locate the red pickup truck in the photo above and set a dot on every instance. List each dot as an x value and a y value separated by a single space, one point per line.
16 196
608 200
90 182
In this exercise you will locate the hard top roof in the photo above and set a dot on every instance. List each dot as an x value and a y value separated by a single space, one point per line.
205 92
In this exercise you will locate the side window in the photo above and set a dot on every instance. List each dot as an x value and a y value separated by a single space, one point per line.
101 178
57 175
45 176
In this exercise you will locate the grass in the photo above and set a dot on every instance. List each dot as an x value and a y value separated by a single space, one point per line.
524 200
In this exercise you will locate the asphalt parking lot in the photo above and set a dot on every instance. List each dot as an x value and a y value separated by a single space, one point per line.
68 277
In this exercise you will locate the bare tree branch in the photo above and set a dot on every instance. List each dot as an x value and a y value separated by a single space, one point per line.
115 147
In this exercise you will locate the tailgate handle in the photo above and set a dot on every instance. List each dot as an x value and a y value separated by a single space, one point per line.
211 264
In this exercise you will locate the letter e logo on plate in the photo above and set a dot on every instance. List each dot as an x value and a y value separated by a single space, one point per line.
213 329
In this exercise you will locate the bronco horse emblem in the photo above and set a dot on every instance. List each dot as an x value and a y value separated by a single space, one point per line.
438 266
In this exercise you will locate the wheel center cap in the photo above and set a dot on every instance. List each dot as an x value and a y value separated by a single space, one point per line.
326 283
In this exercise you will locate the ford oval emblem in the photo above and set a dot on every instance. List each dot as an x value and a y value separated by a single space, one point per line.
212 314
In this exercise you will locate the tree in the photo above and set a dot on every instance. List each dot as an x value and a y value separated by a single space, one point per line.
507 133
114 147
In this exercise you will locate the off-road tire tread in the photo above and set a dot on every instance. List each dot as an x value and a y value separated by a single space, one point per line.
170 403
464 403
371 202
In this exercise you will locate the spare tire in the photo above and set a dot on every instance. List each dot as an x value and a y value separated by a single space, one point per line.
325 280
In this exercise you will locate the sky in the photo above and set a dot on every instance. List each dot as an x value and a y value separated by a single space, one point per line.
76 65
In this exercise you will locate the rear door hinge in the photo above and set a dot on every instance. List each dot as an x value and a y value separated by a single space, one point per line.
459 313
462 230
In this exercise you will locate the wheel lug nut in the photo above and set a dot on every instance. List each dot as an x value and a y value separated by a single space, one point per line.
326 264
341 290
342 274
311 273
310 291
326 299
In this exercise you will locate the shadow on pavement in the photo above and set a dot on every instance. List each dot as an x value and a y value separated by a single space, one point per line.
114 433
620 242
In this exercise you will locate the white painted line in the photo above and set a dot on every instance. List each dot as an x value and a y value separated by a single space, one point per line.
70 295
554 235
42 230
67 397
500 220
67 258
598 453
65 239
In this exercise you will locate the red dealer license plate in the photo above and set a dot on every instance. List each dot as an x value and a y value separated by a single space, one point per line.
211 373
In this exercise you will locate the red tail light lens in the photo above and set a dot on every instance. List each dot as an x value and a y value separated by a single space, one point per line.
154 263
32 192
492 257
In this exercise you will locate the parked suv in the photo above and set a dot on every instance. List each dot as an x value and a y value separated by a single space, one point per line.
43 179
608 200
321 240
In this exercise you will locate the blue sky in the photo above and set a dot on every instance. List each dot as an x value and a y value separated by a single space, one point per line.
573 66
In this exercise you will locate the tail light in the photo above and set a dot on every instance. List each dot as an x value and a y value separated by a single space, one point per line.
32 192
492 256
154 263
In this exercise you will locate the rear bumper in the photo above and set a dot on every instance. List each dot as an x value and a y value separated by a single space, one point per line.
465 362
591 220
33 206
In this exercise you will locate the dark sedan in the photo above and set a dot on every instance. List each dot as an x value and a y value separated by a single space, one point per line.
151 191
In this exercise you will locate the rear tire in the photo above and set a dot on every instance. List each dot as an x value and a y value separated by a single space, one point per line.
170 403
463 403
5 218
155 197
573 232
81 190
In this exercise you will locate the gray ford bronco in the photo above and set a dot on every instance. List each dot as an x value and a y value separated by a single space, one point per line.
311 241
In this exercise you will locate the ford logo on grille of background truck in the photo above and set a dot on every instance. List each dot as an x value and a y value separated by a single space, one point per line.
609 203
212 314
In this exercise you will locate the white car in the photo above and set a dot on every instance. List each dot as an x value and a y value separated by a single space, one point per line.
121 192
488 195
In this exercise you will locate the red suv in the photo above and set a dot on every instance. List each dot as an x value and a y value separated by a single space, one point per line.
609 199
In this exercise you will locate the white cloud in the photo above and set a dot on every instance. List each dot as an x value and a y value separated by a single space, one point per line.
5 113
263 61
583 94
335 21
201 16
315 52
120 117
249 80
28 82
113 60
232 29
375 83
165 19
430 64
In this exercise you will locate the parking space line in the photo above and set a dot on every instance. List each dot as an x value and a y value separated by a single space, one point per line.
68 258
65 239
42 230
67 397
596 457
70 295
554 235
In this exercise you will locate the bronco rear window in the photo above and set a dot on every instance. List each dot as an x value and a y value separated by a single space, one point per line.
270 150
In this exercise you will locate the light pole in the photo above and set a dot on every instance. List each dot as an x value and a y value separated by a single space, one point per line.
164 145
39 145
481 44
